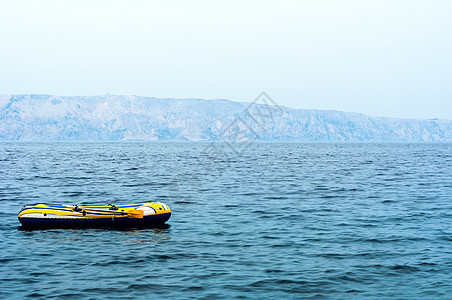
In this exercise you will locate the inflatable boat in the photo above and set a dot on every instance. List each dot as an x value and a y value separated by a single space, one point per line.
74 216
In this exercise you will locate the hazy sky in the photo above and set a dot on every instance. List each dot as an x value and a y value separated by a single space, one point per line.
391 58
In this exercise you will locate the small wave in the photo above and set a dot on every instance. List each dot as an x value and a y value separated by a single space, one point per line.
184 202
404 268
388 201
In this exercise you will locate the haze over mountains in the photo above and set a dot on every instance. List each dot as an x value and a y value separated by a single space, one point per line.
111 117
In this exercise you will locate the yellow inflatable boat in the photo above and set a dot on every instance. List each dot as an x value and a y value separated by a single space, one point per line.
74 216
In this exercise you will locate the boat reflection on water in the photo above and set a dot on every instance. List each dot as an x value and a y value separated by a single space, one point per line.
154 234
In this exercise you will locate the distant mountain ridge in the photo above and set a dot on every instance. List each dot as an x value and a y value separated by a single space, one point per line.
110 117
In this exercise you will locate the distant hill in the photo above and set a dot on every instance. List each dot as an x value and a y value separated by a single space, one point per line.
110 117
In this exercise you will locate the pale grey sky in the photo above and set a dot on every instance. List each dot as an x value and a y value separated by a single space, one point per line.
390 58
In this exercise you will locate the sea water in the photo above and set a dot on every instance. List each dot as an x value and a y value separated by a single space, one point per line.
293 220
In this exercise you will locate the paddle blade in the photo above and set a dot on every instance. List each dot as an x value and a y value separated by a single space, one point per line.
137 213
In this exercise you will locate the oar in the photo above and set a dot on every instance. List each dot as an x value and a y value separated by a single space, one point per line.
137 213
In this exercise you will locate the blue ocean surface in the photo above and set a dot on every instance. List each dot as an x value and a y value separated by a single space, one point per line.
292 220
